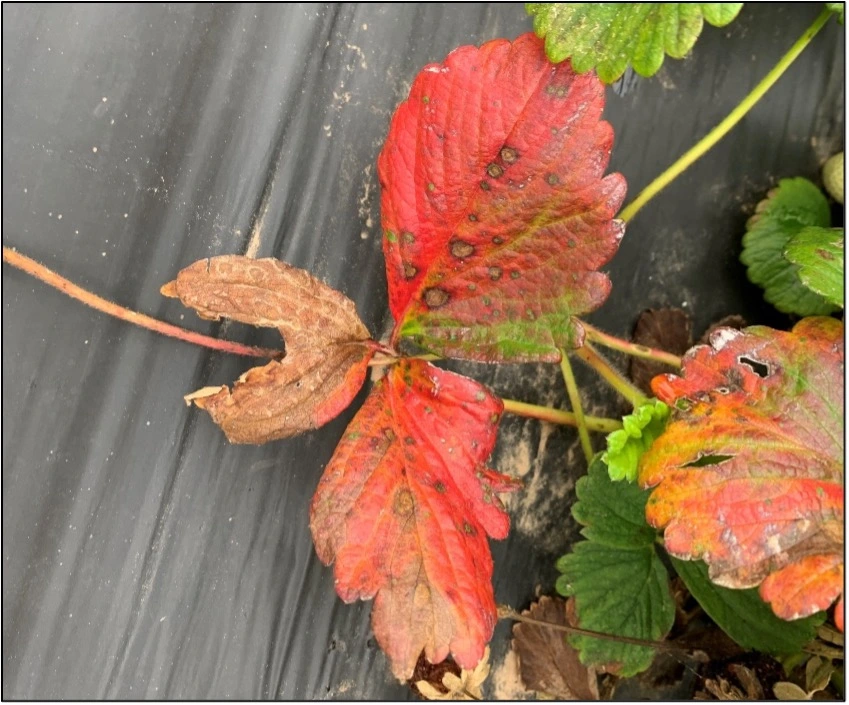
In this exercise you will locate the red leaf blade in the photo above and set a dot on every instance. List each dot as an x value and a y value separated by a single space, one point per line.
495 212
404 508
749 474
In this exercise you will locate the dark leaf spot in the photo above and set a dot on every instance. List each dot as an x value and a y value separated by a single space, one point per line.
509 155
434 297
494 170
403 503
461 248
495 273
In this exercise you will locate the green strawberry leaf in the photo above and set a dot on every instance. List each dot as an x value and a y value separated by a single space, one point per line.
794 205
625 446
744 616
608 36
618 581
818 252
612 513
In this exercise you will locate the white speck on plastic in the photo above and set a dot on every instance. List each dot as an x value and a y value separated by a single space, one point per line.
94 149
104 99
59 217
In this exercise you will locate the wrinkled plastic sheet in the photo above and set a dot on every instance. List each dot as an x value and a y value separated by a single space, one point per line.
143 556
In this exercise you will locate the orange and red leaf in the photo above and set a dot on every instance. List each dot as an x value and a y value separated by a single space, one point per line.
404 509
749 472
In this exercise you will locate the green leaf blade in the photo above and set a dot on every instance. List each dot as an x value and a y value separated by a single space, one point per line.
618 581
818 253
617 591
794 205
613 514
609 36
744 616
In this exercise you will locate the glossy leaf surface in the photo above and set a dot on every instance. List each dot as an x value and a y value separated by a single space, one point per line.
789 208
496 212
328 346
608 36
749 472
404 509
818 253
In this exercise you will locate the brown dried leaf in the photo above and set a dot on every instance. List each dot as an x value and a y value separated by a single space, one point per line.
749 680
328 346
286 397
666 329
272 294
548 664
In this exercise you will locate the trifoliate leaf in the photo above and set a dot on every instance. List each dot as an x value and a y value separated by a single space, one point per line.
818 252
794 205
625 446
744 616
838 8
618 581
832 175
608 36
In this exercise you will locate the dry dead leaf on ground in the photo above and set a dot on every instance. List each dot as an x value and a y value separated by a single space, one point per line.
548 664
666 329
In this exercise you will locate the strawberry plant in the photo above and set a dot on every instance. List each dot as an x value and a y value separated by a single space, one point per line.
497 219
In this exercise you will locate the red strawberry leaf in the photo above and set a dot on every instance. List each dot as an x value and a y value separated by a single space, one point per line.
749 472
404 508
495 211
328 346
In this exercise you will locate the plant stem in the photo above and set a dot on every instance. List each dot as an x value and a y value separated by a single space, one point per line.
575 401
633 349
49 277
505 612
566 418
718 132
591 356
